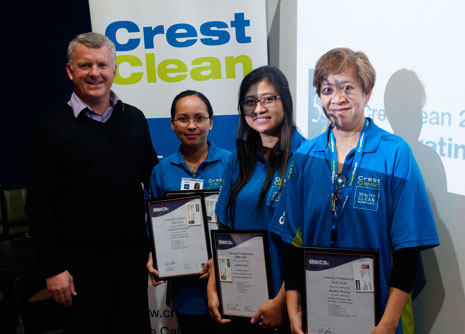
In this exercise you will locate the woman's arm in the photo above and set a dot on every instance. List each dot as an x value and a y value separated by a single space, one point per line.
205 272
404 268
213 301
272 313
294 310
153 272
391 316
293 285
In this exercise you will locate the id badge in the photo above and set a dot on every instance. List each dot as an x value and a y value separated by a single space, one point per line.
191 184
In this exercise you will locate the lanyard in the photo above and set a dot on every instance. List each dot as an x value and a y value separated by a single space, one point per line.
347 190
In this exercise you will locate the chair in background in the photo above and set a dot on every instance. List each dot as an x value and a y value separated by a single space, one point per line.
2 228
28 295
15 222
14 231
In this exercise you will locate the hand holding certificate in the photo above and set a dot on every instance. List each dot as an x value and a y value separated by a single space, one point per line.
209 198
241 269
179 232
340 291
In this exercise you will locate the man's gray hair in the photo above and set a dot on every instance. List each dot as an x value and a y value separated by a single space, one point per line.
92 40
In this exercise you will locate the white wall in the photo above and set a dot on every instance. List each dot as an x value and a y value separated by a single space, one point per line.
415 48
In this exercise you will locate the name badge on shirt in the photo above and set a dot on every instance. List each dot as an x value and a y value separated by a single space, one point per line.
191 184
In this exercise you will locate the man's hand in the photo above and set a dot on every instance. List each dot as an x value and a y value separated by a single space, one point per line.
153 273
61 288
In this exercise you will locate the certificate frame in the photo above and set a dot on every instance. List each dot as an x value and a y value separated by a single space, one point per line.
179 243
204 192
333 295
236 287
211 217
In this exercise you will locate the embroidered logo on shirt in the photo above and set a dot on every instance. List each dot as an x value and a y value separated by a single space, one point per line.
366 198
273 199
215 183
367 190
282 218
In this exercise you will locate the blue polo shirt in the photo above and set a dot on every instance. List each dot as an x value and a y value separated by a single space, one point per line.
247 214
189 293
387 210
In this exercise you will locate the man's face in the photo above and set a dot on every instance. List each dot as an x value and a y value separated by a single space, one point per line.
92 73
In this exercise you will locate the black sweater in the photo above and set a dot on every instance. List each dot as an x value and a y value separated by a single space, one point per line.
85 198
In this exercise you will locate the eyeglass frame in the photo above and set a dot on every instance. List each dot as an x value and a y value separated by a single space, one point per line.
262 102
337 188
334 198
197 119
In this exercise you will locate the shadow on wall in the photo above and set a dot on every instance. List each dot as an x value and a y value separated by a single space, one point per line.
441 302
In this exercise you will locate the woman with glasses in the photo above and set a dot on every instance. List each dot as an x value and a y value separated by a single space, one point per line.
356 186
266 140
198 164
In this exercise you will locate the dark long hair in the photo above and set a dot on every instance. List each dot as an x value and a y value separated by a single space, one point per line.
248 140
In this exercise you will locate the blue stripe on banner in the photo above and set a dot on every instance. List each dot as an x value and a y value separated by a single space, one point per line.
165 141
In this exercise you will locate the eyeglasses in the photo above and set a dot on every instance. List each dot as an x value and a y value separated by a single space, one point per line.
339 184
249 105
198 119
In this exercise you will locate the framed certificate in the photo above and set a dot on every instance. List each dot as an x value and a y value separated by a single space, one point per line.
341 291
242 271
209 198
180 235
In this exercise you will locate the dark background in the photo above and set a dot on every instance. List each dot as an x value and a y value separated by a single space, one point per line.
34 38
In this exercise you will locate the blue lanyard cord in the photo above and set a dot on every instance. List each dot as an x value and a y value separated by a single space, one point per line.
347 189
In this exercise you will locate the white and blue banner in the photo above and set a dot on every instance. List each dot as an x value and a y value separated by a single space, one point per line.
165 47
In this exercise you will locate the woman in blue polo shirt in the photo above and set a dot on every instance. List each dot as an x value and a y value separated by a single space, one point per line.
198 164
356 186
266 139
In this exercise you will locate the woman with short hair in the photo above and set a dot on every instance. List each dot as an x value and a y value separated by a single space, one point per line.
355 186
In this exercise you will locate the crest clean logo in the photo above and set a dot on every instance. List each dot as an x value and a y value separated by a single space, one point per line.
129 36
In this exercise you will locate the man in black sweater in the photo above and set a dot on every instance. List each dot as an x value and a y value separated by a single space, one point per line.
88 162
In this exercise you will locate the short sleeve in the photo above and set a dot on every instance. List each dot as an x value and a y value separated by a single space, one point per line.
156 182
230 176
289 213
413 223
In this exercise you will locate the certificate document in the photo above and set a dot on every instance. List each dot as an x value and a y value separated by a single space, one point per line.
180 238
209 198
242 271
340 291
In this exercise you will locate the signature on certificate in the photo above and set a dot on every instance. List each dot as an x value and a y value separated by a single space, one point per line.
170 263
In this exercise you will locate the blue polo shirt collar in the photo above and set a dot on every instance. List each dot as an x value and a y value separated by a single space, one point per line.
296 140
371 145
212 156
